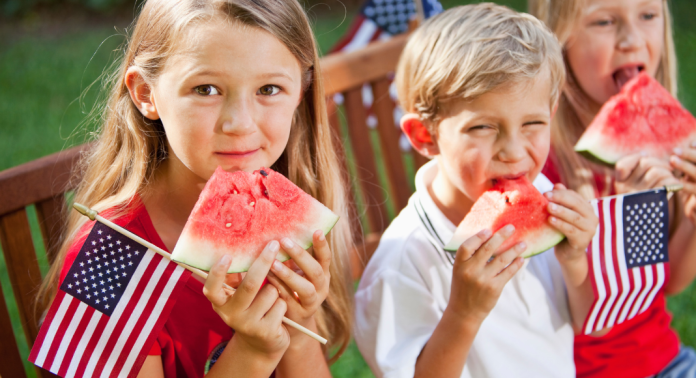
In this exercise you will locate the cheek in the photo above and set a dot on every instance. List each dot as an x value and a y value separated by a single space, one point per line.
655 42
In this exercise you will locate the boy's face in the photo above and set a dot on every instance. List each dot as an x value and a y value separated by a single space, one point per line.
504 133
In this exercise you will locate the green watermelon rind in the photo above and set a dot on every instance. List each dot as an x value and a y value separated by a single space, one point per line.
185 243
534 248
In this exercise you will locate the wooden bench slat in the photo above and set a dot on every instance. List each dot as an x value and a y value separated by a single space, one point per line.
335 123
389 135
37 180
11 365
51 214
22 267
372 191
343 71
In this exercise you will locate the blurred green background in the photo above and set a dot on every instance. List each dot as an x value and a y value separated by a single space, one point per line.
52 50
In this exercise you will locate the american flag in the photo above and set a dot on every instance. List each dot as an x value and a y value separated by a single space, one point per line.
109 309
628 257
380 20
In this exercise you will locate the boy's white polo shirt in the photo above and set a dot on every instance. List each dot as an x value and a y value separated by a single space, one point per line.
406 287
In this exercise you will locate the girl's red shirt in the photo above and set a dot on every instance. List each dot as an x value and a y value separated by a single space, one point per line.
639 347
194 334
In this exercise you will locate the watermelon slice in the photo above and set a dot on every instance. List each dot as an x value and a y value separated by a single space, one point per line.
643 116
238 213
515 202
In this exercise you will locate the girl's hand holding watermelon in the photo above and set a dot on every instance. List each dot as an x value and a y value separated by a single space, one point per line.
640 172
254 311
304 292
684 161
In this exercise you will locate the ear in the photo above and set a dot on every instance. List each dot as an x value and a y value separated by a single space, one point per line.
419 136
141 93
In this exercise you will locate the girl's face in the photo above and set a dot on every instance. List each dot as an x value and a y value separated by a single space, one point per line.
229 99
613 41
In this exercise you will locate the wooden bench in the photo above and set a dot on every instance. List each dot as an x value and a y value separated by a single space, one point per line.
44 182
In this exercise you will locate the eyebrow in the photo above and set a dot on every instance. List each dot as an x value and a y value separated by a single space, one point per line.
207 72
596 7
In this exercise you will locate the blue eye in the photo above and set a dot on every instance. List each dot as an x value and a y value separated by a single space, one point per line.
206 90
605 22
268 90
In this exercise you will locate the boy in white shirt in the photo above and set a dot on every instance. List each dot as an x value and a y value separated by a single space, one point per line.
479 84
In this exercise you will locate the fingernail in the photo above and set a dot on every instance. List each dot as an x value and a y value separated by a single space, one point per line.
643 153
678 151
485 233
509 229
225 259
321 236
287 243
521 246
553 206
277 265
693 143
676 159
274 246
549 195
552 219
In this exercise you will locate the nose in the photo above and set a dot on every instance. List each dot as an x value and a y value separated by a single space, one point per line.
238 117
629 37
512 149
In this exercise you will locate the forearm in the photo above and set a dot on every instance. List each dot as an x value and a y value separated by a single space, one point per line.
579 288
682 257
238 360
304 357
445 354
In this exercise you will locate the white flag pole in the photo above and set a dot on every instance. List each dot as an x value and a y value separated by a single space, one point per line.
94 215
420 11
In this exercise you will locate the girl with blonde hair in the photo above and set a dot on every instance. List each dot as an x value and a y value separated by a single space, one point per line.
605 44
236 84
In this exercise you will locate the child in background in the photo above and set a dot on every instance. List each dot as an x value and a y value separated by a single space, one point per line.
231 83
480 85
606 43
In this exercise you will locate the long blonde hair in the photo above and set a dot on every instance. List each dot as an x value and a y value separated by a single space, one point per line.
129 148
575 109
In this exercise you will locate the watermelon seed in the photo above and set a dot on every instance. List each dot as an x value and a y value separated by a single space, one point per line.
235 192
507 199
265 192
252 204
228 225
263 173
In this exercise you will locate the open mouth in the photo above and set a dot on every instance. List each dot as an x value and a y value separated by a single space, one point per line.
624 74
509 177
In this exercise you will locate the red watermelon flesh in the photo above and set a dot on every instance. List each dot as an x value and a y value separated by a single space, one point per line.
238 213
515 202
643 116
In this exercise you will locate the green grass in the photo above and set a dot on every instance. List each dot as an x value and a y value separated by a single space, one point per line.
42 78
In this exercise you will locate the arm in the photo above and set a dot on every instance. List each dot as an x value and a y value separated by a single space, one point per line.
255 313
304 292
682 244
574 217
476 287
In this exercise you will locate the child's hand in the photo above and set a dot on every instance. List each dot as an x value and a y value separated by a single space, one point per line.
254 312
478 282
640 172
684 161
572 215
305 291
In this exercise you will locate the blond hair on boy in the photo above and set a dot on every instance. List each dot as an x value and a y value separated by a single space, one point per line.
471 50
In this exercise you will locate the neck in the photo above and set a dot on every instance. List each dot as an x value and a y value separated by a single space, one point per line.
171 197
454 204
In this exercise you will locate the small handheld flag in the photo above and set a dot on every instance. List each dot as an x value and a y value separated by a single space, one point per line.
628 257
109 309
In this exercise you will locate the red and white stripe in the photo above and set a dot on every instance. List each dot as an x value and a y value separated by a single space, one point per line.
78 341
620 293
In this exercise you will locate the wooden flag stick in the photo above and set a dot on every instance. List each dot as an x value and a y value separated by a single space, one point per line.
93 214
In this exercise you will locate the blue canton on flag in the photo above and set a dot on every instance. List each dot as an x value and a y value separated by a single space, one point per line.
102 270
628 257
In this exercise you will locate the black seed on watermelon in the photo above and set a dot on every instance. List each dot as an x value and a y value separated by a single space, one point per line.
263 173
